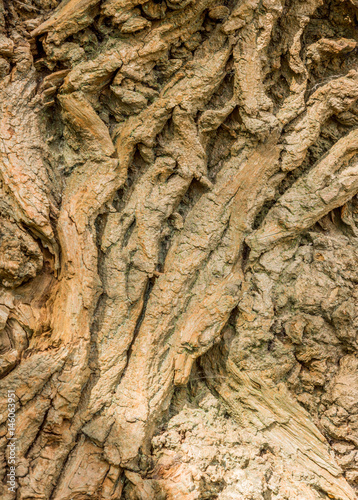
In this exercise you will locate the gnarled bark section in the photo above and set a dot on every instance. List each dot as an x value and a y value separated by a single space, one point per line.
153 154
281 420
328 185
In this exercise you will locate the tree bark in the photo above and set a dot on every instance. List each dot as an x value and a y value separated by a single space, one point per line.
178 249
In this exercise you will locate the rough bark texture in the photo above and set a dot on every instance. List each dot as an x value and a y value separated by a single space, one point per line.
179 245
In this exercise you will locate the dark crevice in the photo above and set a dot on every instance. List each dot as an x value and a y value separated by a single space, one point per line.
164 247
128 234
262 213
140 319
41 428
99 310
245 255
191 197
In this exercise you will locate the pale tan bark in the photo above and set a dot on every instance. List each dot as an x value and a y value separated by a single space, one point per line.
178 237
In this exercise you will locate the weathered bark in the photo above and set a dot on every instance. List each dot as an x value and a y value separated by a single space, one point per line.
179 244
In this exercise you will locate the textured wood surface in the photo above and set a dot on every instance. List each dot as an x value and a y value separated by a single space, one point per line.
178 248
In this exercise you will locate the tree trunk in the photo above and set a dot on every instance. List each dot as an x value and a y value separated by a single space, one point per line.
179 245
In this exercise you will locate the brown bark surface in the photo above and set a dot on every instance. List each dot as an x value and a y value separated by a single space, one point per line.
179 249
